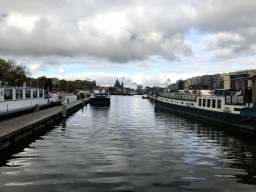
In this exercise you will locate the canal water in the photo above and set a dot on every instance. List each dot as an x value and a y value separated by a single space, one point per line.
131 146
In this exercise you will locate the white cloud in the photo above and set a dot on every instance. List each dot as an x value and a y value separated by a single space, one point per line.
61 71
21 21
99 30
50 34
34 68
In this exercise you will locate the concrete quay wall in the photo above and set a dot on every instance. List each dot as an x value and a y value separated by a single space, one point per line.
19 131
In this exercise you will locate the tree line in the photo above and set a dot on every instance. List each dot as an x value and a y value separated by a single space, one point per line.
12 73
72 86
63 85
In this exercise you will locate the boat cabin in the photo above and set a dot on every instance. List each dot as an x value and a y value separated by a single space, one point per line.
228 104
20 93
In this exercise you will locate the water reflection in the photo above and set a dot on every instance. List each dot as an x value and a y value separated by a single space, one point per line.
64 123
129 146
235 152
99 111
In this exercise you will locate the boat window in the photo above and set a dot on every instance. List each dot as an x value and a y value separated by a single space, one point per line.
34 93
237 109
204 101
7 94
40 93
218 103
192 104
213 103
19 94
208 102
27 94
199 103
181 102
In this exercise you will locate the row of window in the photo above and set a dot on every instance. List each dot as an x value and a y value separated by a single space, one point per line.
192 104
210 103
8 93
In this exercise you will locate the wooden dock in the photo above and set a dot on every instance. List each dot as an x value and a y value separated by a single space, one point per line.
22 128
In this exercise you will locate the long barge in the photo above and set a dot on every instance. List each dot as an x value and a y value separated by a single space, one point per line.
16 101
229 110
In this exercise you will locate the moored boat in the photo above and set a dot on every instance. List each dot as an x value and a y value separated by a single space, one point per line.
223 109
21 100
100 98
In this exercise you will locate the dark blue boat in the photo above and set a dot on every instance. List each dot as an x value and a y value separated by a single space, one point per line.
100 99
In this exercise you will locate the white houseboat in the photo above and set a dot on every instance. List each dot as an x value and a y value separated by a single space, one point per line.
21 98
223 109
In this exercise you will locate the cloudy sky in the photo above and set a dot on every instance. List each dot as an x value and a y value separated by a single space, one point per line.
138 41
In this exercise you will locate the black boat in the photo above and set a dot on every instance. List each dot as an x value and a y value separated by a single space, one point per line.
100 99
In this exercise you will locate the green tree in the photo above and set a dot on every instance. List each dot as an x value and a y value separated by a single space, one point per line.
90 87
72 86
12 73
22 73
4 70
63 84
48 84
42 81
111 90
85 85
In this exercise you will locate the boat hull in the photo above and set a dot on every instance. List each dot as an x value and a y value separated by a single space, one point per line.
234 120
100 101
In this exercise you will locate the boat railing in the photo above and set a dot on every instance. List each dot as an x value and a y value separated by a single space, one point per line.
229 100
7 108
189 97
211 96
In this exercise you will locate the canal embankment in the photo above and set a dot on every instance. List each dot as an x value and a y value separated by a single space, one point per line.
19 130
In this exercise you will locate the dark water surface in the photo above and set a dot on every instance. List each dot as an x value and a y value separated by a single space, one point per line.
130 146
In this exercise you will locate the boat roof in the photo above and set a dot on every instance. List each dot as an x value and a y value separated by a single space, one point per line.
101 94
9 87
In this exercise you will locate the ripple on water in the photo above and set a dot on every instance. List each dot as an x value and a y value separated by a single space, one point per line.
130 146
